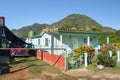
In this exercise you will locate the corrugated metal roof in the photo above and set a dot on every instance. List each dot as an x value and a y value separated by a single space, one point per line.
83 32
61 32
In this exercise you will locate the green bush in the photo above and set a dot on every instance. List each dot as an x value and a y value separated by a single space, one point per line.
106 60
118 46
108 47
80 50
94 61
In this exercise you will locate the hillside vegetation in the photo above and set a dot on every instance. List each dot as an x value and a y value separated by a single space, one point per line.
81 22
78 21
24 31
73 21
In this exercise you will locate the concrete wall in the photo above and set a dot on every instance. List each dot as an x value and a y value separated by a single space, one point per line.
53 59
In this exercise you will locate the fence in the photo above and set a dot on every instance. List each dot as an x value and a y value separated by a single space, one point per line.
55 59
67 61
83 61
77 62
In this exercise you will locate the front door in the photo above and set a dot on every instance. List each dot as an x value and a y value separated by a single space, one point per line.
75 42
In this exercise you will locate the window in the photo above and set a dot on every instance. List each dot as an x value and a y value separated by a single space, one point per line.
85 40
91 39
46 41
38 41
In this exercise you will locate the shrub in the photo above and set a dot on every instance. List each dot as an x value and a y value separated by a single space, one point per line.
108 47
104 50
118 45
94 61
106 60
80 50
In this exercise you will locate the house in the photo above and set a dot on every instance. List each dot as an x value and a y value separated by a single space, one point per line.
55 45
68 40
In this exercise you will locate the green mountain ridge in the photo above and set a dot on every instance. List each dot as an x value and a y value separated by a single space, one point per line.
82 22
78 21
24 31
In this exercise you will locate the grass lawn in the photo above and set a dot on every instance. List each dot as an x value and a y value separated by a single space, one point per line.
31 68
113 70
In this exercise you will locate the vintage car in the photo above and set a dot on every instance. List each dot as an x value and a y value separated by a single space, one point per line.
18 51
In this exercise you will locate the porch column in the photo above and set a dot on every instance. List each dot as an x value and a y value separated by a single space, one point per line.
108 40
61 38
52 44
118 56
85 62
88 40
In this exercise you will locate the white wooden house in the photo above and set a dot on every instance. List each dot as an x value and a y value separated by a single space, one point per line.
64 39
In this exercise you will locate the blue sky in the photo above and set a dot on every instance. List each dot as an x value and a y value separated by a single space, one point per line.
19 13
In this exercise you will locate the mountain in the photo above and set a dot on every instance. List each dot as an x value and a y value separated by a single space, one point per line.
73 21
79 21
109 29
24 31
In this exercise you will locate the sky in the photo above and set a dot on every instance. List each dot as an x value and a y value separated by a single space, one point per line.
20 13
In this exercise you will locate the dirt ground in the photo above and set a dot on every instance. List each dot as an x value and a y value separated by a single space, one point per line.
16 73
21 67
84 74
20 72
81 74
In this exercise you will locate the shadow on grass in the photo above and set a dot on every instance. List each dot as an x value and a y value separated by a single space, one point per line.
13 62
26 68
